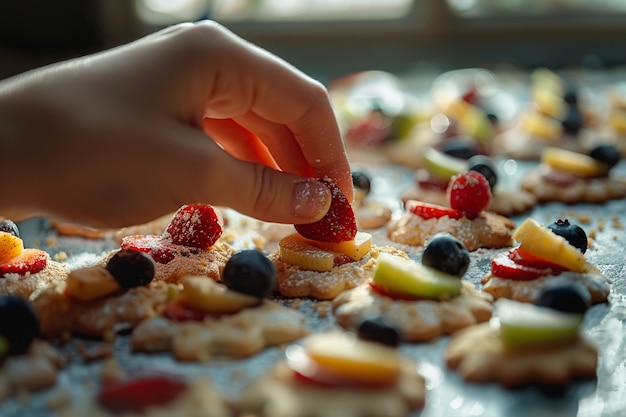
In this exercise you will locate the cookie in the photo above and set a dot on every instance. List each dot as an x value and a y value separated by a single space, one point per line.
479 355
415 320
28 284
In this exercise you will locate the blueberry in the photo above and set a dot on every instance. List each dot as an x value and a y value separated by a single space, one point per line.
18 323
570 96
250 272
566 298
493 118
572 122
459 147
378 330
607 154
9 227
361 181
573 233
484 165
447 254
131 268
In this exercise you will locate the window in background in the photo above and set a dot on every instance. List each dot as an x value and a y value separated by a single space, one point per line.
493 8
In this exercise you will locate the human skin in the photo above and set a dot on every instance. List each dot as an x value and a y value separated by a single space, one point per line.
189 114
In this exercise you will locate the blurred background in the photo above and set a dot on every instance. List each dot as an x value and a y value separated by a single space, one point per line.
327 38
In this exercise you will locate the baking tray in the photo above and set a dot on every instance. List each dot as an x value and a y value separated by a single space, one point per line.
447 394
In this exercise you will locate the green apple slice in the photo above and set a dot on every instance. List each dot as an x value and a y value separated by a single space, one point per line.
405 276
527 325
441 165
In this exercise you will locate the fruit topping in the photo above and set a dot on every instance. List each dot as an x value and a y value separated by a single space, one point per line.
527 325
394 274
572 121
140 393
573 233
377 329
341 359
29 261
607 154
9 227
486 166
441 165
538 240
339 223
250 272
18 323
447 254
461 147
90 283
196 225
565 298
204 294
469 191
362 184
432 211
10 246
572 162
161 250
519 265
176 310
131 268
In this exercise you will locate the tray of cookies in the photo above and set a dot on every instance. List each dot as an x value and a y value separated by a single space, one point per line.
466 283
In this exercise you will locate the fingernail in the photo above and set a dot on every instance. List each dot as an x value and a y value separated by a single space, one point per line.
311 199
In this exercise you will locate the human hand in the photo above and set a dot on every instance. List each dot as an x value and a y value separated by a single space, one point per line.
124 136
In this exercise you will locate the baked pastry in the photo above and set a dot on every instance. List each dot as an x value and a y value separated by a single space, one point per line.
422 300
573 177
545 256
527 344
342 373
25 271
465 217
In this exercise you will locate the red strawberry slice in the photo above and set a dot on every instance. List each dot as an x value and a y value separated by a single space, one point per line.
161 250
140 393
338 225
30 260
510 265
194 225
469 191
432 211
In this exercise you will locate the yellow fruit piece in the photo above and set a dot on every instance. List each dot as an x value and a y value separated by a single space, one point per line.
299 251
542 126
540 241
350 357
354 249
549 103
473 120
90 283
573 162
10 246
545 79
204 294
617 121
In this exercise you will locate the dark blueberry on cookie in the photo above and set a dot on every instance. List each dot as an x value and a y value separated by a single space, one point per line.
565 298
573 233
572 122
486 166
18 323
459 147
378 330
131 268
607 154
9 227
447 254
361 182
250 272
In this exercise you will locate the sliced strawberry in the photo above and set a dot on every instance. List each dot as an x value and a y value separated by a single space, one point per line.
338 225
523 257
30 260
510 265
325 379
426 180
140 393
469 191
161 250
195 225
177 311
432 211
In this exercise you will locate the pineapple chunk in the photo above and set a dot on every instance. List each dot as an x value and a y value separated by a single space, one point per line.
542 126
540 241
10 246
352 358
204 294
320 256
574 162
549 103
91 282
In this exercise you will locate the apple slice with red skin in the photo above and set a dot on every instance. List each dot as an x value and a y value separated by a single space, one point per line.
396 295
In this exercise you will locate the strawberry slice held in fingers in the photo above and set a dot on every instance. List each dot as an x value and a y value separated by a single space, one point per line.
194 225
432 211
339 223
